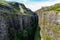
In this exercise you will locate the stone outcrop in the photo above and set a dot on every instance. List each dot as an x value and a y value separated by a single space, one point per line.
49 21
17 22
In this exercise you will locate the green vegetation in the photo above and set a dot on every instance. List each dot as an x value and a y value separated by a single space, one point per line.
4 3
56 8
37 34
18 10
28 32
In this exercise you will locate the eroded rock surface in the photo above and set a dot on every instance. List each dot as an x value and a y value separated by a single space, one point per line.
17 22
49 21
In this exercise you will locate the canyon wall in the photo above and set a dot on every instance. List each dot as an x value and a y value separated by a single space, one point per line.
49 22
16 27
17 22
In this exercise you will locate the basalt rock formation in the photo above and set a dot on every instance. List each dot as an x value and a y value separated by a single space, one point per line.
17 22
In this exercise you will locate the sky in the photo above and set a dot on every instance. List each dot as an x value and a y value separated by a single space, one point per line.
36 4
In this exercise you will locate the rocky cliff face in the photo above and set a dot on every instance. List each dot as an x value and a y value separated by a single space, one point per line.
17 22
49 21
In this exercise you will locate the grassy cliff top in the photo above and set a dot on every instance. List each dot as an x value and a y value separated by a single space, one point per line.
55 7
18 8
